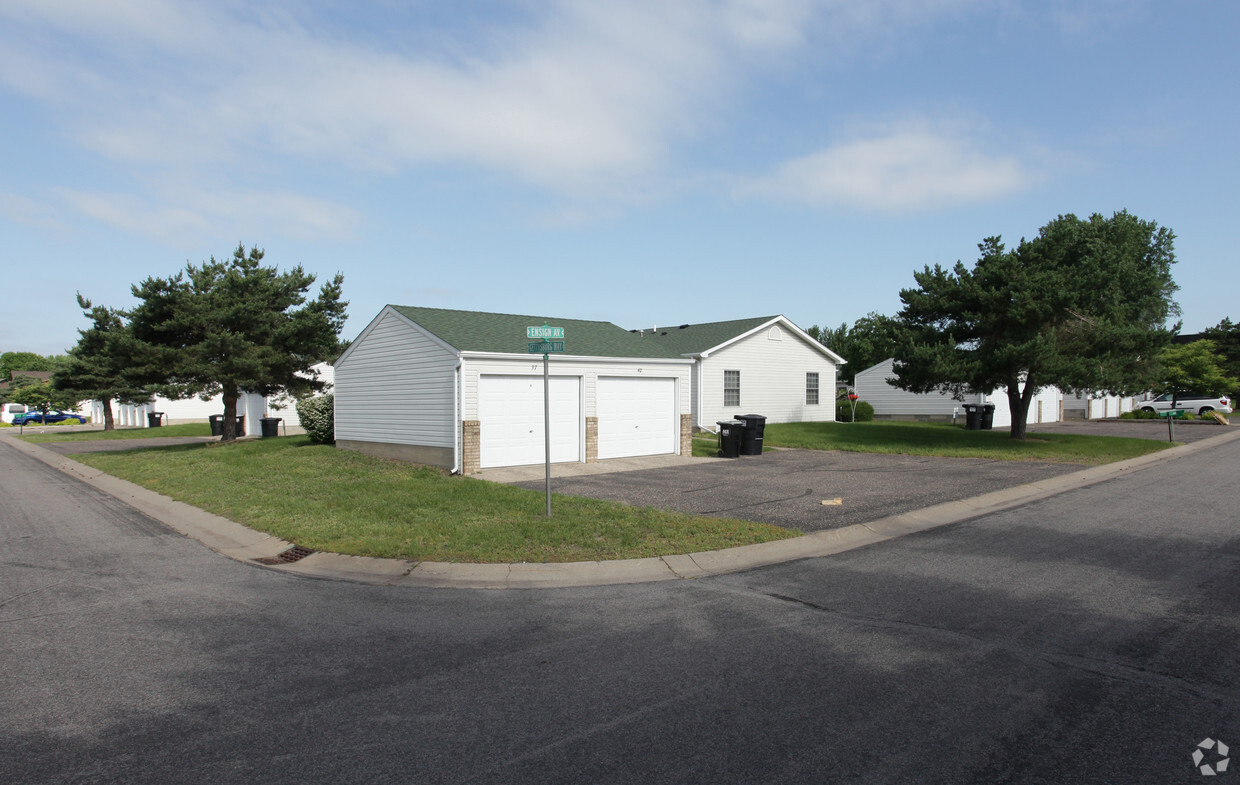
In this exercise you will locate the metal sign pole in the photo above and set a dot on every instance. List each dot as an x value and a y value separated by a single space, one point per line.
547 424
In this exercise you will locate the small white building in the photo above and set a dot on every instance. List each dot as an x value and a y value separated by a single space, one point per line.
184 410
1083 406
460 389
892 403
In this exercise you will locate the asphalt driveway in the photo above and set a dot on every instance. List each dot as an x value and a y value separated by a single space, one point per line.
789 487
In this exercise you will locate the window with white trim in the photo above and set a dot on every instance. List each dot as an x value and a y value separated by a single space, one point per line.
811 388
731 388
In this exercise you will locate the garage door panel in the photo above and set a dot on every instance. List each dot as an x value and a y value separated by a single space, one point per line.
636 416
510 414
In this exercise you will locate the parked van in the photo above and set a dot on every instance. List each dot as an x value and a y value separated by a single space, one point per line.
10 410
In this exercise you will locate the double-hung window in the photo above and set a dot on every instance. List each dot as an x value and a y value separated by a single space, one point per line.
731 388
811 388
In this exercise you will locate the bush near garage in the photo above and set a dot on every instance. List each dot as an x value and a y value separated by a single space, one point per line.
318 417
844 411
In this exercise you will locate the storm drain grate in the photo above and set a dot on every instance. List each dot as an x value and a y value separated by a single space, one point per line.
296 553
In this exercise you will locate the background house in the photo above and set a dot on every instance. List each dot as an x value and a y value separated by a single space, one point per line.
892 403
764 365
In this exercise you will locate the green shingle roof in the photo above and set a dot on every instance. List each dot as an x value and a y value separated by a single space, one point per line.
695 338
476 331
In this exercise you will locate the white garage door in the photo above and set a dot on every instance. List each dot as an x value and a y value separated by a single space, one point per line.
636 416
510 416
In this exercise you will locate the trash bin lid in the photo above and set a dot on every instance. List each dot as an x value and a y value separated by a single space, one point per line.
753 417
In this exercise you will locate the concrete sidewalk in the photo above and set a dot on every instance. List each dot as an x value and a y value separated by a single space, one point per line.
239 542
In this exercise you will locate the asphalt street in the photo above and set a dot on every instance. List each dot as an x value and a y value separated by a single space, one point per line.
1089 637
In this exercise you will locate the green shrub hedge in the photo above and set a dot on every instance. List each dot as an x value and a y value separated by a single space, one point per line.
318 417
844 411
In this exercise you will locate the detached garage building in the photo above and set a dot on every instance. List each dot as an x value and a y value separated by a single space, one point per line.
458 389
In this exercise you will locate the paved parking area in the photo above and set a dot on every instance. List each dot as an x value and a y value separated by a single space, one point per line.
788 487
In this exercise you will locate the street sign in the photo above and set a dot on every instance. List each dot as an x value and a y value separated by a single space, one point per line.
543 347
544 333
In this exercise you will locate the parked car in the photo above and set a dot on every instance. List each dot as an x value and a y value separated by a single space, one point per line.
1189 402
10 410
35 416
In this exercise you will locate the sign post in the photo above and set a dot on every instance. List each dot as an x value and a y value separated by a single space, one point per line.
542 341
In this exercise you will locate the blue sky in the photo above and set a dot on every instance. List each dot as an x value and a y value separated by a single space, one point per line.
646 163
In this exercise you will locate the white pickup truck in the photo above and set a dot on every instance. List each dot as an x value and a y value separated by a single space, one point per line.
1189 402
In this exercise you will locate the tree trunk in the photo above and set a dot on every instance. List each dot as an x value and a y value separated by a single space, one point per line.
229 425
1018 404
109 422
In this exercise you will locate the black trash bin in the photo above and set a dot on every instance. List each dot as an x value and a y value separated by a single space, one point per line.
988 416
271 426
751 436
729 438
154 419
217 424
973 416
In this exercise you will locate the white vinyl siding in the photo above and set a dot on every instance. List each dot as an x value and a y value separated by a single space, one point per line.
396 386
772 376
890 401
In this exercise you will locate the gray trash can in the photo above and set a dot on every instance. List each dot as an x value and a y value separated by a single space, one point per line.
751 436
973 416
729 438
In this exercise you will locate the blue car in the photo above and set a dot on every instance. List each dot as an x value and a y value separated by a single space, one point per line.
35 416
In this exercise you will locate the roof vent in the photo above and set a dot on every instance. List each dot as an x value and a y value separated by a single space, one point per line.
663 333
684 326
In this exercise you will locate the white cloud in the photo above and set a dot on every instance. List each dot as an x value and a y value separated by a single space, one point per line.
196 215
913 167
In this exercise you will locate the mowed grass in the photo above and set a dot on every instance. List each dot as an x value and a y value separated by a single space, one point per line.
185 429
952 441
335 500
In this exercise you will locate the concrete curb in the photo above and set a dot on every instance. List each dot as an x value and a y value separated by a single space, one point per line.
244 544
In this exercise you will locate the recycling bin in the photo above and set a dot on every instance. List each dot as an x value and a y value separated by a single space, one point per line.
754 426
729 438
973 416
270 426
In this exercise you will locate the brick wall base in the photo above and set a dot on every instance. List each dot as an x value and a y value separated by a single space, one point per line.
471 446
591 440
686 434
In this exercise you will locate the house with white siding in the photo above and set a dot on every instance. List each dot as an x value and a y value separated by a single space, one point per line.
765 365
459 389
892 403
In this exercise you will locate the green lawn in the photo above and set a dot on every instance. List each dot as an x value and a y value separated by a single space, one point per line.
953 441
185 429
336 500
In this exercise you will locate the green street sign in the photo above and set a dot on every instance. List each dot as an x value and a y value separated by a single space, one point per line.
544 333
543 347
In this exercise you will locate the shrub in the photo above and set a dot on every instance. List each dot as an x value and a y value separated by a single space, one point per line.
844 411
318 417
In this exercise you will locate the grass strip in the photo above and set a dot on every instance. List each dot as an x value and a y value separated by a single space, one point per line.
185 429
947 440
342 501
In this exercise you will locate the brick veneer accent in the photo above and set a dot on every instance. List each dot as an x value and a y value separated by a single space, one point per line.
686 434
591 440
471 446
